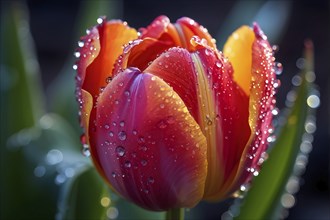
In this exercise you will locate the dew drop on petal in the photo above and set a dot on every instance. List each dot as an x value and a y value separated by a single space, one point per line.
151 180
128 164
99 20
81 43
77 54
85 150
122 135
120 150
278 68
144 162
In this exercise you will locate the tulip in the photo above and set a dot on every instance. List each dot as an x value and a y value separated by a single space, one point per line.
169 119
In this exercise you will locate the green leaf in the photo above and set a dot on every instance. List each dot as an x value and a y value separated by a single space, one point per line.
22 101
263 199
84 196
21 105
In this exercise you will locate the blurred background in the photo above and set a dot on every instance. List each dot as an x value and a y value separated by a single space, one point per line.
40 146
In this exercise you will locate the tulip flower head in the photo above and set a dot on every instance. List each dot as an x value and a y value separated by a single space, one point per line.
169 119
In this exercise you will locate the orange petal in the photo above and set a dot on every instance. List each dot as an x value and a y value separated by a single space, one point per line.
262 101
150 148
238 49
113 35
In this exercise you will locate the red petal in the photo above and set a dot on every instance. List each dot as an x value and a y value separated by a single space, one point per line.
176 68
229 119
140 53
204 82
150 148
187 28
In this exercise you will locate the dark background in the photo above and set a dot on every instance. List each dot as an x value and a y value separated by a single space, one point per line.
53 26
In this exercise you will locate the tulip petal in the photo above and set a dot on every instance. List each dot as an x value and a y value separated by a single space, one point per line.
238 49
262 102
179 34
87 105
112 36
187 28
204 82
151 149
140 53
228 119
175 67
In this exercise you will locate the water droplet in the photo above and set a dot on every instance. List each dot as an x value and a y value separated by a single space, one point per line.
85 150
54 156
113 174
275 48
128 164
300 63
106 126
278 67
144 148
120 150
153 78
151 180
127 93
99 20
81 43
39 171
105 201
108 79
111 134
310 76
313 101
310 127
161 105
75 67
77 54
162 124
144 162
296 80
112 213
60 178
122 124
275 111
288 200
170 120
134 132
122 135
218 64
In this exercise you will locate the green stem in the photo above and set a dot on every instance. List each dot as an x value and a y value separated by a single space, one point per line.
175 214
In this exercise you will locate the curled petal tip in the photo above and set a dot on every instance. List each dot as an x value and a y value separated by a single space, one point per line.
258 32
